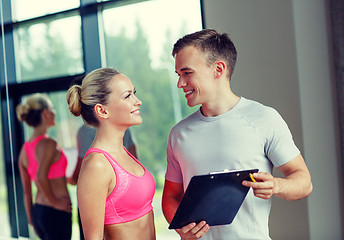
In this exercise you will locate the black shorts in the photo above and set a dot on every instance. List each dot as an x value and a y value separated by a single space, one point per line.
50 223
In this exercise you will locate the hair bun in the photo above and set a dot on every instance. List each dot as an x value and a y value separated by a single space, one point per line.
74 100
22 111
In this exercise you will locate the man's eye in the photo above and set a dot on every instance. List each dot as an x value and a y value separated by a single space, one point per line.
128 95
187 73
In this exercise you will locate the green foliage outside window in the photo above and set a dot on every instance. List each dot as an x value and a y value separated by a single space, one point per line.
153 85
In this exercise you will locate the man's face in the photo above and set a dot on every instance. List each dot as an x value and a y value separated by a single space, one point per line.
195 76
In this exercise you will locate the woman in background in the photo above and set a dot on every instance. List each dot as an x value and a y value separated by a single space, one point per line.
114 189
41 160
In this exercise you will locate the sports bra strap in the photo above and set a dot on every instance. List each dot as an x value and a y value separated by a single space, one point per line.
39 138
111 160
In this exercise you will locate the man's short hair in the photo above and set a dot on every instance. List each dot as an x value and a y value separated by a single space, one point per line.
216 46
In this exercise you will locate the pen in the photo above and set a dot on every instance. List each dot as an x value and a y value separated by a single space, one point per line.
252 178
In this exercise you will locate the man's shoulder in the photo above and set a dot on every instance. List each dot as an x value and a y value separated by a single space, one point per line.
186 121
255 109
86 131
258 114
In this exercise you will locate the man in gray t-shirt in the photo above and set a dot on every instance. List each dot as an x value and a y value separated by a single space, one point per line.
227 132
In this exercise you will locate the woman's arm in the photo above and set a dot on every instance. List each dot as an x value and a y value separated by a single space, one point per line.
96 181
26 182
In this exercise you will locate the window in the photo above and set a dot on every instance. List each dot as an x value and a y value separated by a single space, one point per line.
140 47
50 48
26 9
4 220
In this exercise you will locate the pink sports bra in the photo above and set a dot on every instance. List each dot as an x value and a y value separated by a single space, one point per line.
131 197
57 170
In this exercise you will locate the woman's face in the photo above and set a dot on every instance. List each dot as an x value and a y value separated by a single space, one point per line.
50 115
123 106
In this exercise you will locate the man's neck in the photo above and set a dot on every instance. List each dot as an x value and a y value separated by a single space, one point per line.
223 105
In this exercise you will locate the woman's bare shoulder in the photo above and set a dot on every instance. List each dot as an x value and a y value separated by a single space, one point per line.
97 163
95 171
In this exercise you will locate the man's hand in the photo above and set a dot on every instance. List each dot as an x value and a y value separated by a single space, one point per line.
296 185
193 231
264 187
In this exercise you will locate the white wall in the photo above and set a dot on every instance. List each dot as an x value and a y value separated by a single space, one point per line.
313 56
283 61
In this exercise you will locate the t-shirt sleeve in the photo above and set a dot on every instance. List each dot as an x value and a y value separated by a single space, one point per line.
85 138
128 139
173 171
280 147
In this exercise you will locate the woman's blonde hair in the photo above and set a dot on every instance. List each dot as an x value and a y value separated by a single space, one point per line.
94 89
30 111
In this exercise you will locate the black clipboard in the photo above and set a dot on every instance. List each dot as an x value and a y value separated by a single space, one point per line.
215 198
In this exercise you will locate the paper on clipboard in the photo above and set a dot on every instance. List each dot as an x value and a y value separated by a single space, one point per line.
215 198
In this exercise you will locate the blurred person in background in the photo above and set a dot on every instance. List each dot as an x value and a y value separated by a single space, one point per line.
42 161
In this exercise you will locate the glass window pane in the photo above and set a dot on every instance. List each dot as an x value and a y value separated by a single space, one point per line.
25 9
138 42
47 49
4 220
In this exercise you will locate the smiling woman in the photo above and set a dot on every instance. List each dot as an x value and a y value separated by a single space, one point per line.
106 100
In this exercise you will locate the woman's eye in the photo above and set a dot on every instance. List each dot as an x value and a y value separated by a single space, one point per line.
129 94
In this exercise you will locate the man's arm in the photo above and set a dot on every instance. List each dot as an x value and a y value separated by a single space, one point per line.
84 139
73 180
296 185
172 195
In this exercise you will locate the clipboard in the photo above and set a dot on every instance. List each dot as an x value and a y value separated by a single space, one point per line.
215 198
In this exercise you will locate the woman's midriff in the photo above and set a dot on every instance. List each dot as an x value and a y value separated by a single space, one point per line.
60 191
139 229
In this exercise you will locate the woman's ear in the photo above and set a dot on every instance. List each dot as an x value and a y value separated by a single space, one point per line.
101 111
45 113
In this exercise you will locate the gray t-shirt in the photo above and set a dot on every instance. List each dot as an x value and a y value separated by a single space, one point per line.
87 134
249 136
